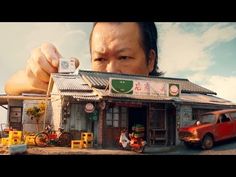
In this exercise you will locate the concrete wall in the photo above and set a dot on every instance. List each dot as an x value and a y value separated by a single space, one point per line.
56 112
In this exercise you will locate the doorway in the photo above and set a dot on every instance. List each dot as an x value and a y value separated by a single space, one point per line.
137 116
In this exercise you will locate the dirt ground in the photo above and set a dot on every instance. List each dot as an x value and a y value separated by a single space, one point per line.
69 151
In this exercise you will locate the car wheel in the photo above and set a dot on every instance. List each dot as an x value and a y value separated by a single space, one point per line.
207 142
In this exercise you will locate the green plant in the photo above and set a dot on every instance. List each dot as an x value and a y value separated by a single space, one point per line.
36 111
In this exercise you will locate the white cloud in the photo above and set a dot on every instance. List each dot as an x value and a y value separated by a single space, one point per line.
222 32
223 86
184 51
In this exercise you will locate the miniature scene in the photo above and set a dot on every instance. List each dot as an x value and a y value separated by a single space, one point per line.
134 100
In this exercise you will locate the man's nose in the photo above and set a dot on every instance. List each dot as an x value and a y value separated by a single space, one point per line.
113 67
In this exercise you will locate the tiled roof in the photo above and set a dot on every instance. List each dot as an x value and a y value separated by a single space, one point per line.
100 80
70 82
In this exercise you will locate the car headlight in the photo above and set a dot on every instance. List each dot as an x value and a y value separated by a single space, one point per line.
194 132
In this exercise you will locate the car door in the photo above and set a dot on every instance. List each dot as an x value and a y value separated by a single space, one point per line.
233 118
225 127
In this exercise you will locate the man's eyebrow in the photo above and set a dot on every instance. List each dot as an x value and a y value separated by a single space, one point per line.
117 51
123 49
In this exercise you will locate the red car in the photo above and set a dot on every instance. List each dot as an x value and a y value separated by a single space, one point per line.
211 127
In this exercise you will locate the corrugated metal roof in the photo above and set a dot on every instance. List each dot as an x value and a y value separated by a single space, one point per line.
92 96
184 98
70 82
85 94
208 99
81 95
82 98
75 86
101 79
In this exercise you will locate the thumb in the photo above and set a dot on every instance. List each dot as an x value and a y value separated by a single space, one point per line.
51 53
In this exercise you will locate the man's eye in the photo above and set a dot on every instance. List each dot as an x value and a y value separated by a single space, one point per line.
124 57
99 59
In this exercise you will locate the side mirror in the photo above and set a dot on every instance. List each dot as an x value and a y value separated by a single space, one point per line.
198 122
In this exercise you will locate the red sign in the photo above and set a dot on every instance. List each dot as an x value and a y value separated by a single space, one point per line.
89 108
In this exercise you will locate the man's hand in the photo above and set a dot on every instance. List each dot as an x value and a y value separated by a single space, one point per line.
43 61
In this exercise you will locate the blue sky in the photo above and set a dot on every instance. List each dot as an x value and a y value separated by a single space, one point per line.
204 53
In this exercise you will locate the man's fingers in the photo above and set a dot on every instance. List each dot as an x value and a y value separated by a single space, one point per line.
34 82
38 72
41 60
51 54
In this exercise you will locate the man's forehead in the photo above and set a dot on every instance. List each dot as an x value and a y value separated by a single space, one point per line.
109 37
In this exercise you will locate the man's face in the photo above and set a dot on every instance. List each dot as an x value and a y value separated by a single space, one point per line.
116 47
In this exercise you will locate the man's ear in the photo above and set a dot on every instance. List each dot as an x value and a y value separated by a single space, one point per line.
151 61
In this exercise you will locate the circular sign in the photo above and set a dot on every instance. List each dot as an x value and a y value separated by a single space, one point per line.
89 108
174 90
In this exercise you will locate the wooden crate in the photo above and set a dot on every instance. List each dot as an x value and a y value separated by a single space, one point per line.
14 141
5 141
87 136
88 144
77 144
15 135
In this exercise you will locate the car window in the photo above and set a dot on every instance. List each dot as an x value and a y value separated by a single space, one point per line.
224 118
207 118
233 115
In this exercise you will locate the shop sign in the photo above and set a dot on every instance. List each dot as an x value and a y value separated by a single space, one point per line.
89 108
138 87
121 86
93 116
174 90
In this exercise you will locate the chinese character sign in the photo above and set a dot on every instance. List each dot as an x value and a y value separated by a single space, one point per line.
138 87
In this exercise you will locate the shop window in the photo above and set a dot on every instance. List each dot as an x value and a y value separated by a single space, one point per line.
116 117
109 117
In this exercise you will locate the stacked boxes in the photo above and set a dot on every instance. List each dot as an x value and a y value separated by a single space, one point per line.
138 131
15 137
87 139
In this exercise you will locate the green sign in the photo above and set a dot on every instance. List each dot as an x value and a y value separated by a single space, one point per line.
121 86
93 116
174 90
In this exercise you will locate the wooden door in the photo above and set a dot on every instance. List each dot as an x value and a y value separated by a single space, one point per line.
115 121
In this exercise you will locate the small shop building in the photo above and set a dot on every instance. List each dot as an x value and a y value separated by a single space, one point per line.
106 103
